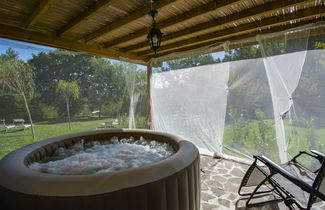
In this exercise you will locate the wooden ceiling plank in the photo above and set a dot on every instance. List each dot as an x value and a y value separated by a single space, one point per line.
239 37
193 13
246 28
243 15
139 13
19 34
38 12
85 15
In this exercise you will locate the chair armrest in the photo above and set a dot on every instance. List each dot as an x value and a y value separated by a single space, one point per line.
314 154
275 168
320 156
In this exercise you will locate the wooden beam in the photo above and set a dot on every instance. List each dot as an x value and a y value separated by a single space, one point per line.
238 31
19 34
241 37
85 15
246 28
233 18
139 13
38 12
196 12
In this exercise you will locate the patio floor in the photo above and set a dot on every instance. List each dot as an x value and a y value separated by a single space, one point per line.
220 180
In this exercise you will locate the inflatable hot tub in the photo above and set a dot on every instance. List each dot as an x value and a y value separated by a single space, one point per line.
170 184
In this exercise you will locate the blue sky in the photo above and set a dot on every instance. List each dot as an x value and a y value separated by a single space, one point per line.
26 50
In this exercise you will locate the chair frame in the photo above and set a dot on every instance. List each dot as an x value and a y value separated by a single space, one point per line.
280 190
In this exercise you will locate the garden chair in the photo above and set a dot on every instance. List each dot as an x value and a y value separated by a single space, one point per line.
293 182
18 122
106 125
27 126
115 123
111 124
6 127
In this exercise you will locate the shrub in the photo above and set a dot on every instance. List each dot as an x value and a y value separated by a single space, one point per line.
48 112
140 121
85 110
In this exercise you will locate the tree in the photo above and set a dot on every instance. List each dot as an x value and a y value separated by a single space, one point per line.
57 65
17 76
107 85
10 55
69 90
198 60
6 100
243 53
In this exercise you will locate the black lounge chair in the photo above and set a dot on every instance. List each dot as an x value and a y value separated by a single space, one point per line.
293 182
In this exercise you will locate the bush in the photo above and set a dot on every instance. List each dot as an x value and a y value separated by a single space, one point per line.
140 121
48 112
123 121
85 110
111 109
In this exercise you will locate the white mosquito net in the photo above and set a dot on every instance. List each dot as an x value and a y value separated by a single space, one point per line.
192 102
262 99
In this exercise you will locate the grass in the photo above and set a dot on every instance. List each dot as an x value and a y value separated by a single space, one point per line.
250 138
18 137
251 141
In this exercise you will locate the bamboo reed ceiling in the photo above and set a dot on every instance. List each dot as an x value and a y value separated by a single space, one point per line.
118 28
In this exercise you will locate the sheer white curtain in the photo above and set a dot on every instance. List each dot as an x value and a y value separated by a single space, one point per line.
249 125
136 86
283 73
273 105
192 103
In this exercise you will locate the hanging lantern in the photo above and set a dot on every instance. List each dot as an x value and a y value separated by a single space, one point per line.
155 35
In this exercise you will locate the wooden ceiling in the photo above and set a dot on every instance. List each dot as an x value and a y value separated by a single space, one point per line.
118 28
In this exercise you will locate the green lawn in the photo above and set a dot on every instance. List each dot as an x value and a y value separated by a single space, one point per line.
250 135
16 138
247 140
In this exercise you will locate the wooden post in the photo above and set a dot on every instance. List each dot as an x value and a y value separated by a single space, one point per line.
149 119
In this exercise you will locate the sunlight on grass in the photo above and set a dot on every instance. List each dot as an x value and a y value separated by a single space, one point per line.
17 138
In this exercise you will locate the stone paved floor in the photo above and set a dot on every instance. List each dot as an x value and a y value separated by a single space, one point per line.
220 180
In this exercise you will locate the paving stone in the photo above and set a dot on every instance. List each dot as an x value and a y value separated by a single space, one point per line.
228 165
218 192
222 171
232 197
236 180
211 182
231 188
208 206
237 172
204 186
220 184
241 165
220 179
224 202
219 166
206 196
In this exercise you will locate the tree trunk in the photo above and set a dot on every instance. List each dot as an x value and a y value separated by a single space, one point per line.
149 110
30 116
68 110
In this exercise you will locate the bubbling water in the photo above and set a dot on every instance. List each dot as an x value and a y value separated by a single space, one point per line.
105 156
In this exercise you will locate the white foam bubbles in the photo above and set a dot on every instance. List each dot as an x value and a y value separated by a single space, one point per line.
105 156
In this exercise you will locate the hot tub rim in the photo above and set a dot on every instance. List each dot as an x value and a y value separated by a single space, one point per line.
20 178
